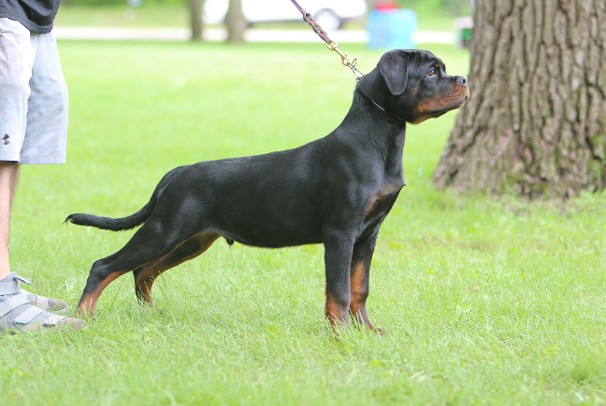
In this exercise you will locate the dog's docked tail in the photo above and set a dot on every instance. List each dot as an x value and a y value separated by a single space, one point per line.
122 223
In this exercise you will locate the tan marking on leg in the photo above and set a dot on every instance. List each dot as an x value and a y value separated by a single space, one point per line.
337 313
359 294
88 302
148 273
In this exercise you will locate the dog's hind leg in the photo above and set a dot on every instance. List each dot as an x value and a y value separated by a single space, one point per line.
152 242
189 249
99 277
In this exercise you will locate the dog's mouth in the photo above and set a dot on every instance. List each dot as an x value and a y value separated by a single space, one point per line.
451 106
461 102
438 107
458 99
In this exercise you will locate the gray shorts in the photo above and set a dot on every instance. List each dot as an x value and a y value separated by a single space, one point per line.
33 97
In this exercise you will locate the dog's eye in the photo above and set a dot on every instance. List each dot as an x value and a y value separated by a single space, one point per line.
432 72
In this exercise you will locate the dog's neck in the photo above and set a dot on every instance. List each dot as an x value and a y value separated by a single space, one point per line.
368 113
373 87
400 120
377 130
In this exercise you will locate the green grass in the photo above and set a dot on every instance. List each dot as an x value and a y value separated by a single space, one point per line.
485 301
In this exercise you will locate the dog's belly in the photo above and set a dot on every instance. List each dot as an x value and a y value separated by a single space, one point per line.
271 234
271 225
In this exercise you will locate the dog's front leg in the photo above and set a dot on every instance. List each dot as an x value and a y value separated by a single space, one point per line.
360 279
337 257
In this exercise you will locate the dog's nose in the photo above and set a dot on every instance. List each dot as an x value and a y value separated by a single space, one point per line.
461 80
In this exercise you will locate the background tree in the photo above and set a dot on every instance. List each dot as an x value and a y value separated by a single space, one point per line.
536 120
235 22
195 10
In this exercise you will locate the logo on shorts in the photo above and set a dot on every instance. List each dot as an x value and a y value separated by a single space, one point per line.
5 139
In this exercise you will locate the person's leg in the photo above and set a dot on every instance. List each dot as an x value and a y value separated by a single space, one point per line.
25 97
16 61
46 129
9 175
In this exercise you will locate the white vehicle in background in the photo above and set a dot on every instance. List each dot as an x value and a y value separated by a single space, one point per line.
330 14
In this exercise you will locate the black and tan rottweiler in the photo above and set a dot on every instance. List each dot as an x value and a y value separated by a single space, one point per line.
335 190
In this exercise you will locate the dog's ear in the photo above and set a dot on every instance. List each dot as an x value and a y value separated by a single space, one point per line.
393 67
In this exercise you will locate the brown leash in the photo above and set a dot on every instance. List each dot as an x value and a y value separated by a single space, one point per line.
330 44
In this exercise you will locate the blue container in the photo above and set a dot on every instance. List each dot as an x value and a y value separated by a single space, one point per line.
391 29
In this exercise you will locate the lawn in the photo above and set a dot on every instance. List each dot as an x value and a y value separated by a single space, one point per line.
484 300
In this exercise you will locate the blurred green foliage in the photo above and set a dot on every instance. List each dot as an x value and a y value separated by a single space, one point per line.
454 7
92 2
97 3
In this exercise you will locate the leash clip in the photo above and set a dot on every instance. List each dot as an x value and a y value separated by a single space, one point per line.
351 64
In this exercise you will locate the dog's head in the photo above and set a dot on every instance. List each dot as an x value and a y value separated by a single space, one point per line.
413 85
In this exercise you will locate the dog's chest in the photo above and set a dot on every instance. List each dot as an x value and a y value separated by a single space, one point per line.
380 202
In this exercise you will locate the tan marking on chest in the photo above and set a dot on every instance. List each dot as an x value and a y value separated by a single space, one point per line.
380 195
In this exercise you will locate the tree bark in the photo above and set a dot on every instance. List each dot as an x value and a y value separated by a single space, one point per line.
536 121
195 10
236 24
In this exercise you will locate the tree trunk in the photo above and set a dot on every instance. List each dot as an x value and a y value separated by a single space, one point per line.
536 121
236 24
195 10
